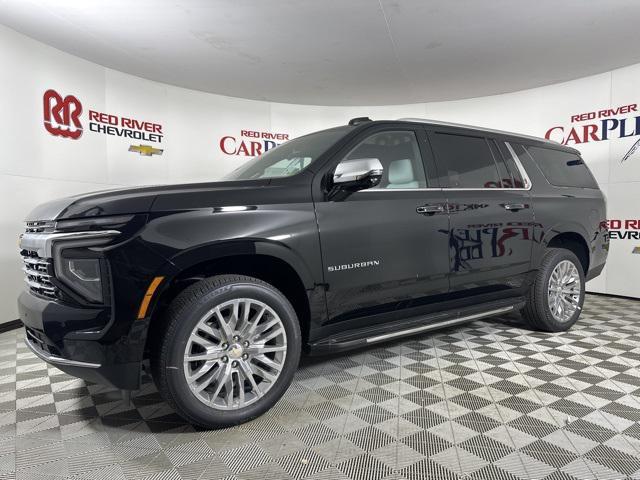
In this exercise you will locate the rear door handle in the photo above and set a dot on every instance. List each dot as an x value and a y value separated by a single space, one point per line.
515 206
429 209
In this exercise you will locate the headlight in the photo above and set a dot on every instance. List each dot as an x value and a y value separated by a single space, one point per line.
83 275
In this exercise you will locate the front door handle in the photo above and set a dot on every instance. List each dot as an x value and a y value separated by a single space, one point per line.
429 209
515 206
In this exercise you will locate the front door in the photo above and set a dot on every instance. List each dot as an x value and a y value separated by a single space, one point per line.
491 215
385 249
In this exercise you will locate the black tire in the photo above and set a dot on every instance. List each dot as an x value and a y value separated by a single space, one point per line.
181 318
537 312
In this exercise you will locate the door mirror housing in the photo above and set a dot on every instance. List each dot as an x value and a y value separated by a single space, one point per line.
358 174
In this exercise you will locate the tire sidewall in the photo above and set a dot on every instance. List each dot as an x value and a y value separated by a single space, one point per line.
557 256
178 388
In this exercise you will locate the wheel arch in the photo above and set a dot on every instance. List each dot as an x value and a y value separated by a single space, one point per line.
573 238
269 261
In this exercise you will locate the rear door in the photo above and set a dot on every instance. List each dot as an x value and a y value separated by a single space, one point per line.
491 215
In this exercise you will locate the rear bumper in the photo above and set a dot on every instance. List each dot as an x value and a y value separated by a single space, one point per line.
54 333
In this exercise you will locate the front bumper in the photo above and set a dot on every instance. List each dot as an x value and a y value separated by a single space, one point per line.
52 333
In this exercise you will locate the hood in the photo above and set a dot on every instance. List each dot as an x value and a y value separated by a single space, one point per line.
142 199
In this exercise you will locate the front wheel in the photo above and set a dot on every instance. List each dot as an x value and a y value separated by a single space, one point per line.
555 300
229 352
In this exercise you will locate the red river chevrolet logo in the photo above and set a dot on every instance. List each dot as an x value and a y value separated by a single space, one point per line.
62 115
62 119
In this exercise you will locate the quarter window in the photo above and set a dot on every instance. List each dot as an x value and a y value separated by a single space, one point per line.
399 154
466 161
562 169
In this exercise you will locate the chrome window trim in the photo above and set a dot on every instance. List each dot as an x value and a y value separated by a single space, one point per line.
523 171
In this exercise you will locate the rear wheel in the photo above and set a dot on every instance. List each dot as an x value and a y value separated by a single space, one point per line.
230 350
555 300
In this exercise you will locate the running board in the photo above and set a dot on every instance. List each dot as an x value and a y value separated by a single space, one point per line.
412 326
438 325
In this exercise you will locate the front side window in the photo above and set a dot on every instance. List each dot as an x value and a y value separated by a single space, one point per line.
399 154
289 158
465 161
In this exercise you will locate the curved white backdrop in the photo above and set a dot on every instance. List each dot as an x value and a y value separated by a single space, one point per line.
36 166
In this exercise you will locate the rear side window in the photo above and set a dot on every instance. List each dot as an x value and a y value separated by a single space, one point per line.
562 169
466 161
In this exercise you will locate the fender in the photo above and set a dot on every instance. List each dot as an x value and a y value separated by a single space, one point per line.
246 246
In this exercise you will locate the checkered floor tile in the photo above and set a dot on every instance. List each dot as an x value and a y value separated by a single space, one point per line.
488 400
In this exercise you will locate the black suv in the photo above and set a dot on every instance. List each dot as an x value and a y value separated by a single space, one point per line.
342 238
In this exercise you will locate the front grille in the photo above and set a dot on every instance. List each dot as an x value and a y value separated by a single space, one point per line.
38 272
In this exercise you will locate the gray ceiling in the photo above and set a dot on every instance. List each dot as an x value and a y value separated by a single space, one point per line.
341 52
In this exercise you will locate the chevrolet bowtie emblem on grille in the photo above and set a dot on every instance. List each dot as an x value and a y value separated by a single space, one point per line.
146 150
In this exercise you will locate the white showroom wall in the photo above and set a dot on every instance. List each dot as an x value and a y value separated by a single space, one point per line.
36 166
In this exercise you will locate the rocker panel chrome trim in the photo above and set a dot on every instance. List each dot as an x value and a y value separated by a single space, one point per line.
434 326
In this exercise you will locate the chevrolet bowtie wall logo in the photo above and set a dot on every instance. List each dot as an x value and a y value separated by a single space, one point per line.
146 150
636 250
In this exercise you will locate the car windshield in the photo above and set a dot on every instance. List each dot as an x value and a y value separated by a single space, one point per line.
289 158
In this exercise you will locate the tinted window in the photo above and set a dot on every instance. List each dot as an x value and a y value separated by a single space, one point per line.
289 158
466 161
399 155
562 169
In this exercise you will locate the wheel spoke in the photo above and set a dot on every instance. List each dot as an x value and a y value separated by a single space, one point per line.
222 380
235 315
224 326
264 374
203 342
259 349
204 356
201 371
263 328
240 388
245 368
209 330
250 326
268 362
271 335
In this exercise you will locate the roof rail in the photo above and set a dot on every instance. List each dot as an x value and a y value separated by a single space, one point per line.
474 127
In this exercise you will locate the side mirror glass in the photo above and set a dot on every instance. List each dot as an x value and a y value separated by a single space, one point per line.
358 174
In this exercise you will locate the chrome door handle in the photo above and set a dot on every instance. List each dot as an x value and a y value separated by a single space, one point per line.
429 209
515 206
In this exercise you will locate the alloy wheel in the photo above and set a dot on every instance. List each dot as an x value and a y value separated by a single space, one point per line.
564 291
235 354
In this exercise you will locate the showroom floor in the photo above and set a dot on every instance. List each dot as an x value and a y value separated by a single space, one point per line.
488 400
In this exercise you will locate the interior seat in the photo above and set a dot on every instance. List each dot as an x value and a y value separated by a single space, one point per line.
401 174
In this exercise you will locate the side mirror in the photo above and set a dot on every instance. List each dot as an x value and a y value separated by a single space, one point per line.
358 174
